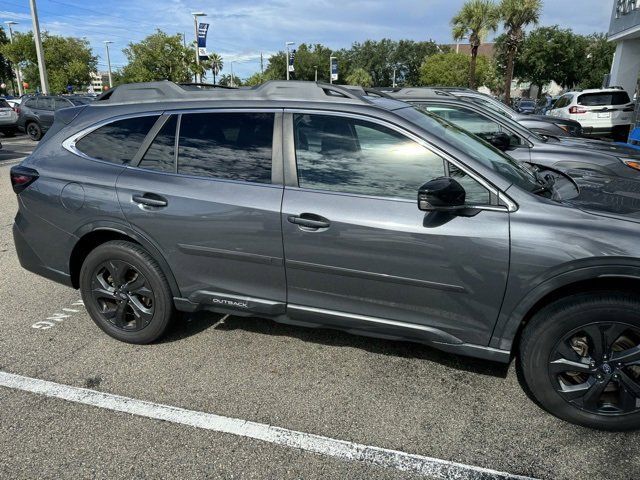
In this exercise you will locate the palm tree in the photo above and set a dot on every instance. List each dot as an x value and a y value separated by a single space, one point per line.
475 20
516 15
216 64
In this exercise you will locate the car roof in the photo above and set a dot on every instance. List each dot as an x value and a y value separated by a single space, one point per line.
274 90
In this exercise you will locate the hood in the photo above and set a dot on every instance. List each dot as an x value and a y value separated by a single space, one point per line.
606 195
616 149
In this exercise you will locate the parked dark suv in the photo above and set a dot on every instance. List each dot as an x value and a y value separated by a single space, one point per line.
35 114
313 205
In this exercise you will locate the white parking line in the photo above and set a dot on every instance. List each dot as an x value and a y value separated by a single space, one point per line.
405 462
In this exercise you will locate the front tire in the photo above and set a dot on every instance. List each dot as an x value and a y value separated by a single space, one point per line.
126 293
580 358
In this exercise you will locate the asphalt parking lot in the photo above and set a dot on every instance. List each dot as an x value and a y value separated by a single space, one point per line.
377 393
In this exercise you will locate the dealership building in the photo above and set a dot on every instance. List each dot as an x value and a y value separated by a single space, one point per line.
625 31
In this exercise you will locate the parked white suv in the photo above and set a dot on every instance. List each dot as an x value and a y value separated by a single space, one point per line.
8 119
600 111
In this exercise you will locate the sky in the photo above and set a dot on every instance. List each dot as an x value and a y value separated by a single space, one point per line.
242 29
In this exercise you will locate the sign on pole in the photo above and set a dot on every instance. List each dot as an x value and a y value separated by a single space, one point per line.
203 28
334 69
292 57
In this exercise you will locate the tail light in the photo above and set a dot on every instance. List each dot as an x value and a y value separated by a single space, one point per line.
17 110
22 177
577 110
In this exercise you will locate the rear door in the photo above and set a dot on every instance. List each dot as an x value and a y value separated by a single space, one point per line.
360 253
208 192
46 111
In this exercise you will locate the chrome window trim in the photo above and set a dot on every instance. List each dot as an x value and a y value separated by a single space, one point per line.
511 206
70 143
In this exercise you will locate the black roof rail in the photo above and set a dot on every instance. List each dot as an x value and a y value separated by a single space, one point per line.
418 92
204 86
273 89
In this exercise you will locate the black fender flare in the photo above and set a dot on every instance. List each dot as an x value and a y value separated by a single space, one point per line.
124 229
509 322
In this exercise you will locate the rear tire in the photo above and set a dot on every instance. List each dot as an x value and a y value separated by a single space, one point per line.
580 359
34 131
126 293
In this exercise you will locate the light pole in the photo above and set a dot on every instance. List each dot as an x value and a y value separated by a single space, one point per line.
44 80
233 84
394 78
288 44
195 25
17 68
106 44
316 67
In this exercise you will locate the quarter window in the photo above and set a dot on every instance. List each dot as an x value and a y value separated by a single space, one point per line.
117 142
231 146
161 155
354 156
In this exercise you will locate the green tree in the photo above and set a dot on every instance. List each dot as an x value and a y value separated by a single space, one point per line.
551 53
69 60
6 70
475 20
450 70
516 15
216 64
226 81
359 76
307 58
160 57
255 79
597 62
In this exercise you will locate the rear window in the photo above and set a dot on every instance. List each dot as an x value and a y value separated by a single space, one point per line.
4 103
231 146
117 142
602 99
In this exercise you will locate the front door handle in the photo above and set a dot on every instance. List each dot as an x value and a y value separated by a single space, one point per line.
150 200
309 220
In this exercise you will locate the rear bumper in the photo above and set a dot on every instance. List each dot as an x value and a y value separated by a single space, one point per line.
32 262
619 132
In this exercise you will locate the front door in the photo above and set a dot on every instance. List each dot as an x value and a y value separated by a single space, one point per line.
213 207
356 243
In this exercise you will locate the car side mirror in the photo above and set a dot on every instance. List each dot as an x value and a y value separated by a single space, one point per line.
443 194
500 140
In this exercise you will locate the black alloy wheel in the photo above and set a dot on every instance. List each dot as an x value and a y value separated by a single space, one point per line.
580 359
123 295
34 131
597 368
126 292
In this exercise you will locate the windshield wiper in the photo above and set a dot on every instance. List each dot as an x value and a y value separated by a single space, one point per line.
546 183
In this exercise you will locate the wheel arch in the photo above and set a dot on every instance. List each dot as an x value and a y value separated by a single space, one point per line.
91 237
624 279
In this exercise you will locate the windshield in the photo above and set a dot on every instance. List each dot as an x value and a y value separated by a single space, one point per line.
473 146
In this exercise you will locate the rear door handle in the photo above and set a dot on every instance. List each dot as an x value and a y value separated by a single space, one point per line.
150 200
309 220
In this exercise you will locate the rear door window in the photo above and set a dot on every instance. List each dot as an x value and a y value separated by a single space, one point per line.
229 146
45 103
604 99
62 103
117 142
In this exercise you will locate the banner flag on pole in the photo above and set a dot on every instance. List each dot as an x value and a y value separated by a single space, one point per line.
203 28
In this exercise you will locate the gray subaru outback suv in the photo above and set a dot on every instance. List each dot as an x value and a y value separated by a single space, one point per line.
314 205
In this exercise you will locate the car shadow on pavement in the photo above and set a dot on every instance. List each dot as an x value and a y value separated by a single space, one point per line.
201 321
